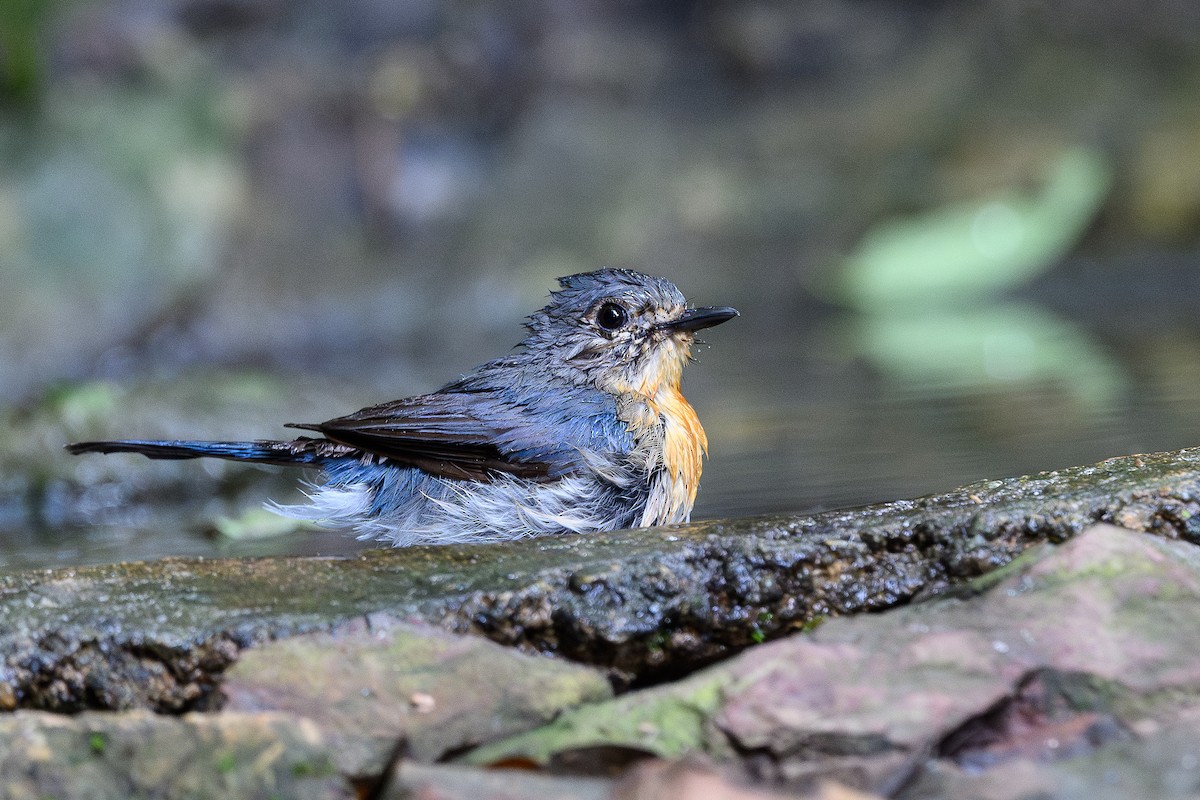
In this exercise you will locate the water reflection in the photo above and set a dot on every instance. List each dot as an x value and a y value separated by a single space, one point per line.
1004 347
927 291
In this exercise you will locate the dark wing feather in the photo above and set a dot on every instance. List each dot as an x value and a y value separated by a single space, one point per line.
454 435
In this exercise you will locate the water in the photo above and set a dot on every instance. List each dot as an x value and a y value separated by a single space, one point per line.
819 424
800 416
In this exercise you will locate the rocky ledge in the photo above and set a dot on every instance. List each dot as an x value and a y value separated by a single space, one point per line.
1069 671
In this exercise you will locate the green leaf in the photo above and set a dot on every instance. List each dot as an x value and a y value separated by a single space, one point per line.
257 523
970 251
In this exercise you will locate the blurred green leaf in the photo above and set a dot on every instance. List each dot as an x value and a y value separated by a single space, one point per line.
952 351
21 50
257 523
960 252
80 405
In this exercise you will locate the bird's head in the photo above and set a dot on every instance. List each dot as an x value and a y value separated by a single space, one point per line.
619 330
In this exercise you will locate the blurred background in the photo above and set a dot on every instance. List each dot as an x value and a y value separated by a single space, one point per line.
963 236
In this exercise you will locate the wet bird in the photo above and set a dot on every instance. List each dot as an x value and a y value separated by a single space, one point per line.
581 428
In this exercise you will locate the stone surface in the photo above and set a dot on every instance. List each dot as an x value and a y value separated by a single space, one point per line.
686 779
1064 654
1070 673
1163 764
103 756
649 780
380 688
648 604
413 781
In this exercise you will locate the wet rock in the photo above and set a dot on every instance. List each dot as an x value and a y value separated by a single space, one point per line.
97 756
680 780
1040 720
651 780
1163 765
1061 655
645 604
381 687
410 781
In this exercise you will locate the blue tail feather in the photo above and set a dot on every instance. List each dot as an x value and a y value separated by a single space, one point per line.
264 452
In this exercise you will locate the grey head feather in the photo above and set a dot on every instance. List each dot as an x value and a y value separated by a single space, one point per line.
567 345
582 292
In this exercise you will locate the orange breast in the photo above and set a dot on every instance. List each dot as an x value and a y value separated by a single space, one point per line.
684 446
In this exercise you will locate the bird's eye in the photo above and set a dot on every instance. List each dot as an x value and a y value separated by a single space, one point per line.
612 316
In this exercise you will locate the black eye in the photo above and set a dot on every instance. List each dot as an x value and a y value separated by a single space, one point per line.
612 316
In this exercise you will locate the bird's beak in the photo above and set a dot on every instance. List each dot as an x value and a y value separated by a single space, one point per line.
695 319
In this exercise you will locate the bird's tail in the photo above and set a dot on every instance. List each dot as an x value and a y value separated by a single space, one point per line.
300 451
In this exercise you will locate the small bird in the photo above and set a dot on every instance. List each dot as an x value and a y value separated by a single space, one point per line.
581 428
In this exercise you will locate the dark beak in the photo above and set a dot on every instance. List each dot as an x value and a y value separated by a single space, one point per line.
695 319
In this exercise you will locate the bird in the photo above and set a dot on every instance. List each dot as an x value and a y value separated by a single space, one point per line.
581 428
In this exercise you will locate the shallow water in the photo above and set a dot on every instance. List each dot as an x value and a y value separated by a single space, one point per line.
829 424
802 415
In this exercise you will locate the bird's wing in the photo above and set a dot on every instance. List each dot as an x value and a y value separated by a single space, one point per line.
476 435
